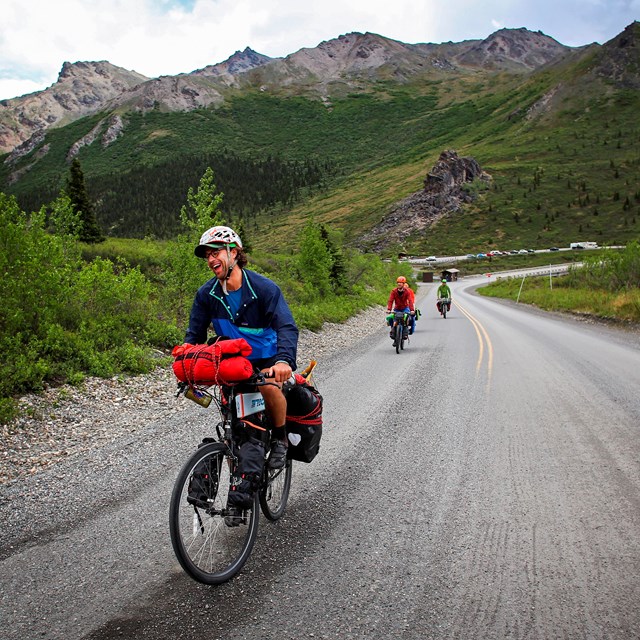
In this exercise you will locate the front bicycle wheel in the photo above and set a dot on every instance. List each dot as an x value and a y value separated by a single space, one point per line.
397 341
209 550
274 492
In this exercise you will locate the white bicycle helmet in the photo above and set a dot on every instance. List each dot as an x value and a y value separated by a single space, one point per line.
218 237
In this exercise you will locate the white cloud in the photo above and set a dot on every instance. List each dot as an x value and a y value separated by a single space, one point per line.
173 36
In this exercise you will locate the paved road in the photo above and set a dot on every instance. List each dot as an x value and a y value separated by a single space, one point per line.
484 483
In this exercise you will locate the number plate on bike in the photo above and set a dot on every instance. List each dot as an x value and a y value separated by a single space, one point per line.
248 403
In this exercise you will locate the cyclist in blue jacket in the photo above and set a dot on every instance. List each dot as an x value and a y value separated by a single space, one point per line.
241 303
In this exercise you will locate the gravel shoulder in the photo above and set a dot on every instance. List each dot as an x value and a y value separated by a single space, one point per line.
64 423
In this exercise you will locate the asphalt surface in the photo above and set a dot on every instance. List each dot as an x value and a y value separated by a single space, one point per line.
483 483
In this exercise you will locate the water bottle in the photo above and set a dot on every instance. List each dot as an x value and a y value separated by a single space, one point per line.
198 396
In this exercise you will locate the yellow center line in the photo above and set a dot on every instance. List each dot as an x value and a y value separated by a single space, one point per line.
480 333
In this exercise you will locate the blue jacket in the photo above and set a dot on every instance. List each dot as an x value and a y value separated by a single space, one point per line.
263 319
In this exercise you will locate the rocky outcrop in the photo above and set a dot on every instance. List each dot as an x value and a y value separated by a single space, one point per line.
170 93
442 195
114 130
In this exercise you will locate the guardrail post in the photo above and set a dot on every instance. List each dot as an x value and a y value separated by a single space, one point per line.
518 298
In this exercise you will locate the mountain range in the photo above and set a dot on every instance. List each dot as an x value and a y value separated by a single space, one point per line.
338 97
343 64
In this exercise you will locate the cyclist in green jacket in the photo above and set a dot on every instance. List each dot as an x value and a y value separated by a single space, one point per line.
443 292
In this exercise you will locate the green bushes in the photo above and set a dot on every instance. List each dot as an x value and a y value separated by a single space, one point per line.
64 317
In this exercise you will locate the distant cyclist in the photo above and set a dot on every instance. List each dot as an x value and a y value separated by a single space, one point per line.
444 292
402 298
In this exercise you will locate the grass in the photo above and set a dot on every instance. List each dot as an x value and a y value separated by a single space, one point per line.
610 305
607 285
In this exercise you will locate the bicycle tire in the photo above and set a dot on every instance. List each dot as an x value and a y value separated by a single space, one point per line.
274 491
397 340
444 311
207 549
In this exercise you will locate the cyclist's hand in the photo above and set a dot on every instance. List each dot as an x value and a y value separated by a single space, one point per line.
413 313
280 371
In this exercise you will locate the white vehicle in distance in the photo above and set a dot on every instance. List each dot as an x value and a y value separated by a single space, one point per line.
583 245
432 259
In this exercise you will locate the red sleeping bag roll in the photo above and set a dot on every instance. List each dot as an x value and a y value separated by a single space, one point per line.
221 362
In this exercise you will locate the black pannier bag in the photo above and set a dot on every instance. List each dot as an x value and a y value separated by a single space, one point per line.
245 478
304 418
203 485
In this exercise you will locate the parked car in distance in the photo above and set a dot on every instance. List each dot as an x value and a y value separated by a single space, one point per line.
531 251
431 259
471 256
481 255
554 249
523 251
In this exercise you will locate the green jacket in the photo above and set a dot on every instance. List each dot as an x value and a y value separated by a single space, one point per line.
444 291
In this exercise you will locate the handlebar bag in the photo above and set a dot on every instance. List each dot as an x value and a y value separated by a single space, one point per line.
223 362
304 417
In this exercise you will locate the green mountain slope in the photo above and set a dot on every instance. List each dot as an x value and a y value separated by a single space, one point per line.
561 145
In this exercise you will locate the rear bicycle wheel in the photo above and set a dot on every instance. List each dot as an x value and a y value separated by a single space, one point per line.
274 491
207 549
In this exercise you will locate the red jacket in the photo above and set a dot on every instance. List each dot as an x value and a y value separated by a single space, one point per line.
401 299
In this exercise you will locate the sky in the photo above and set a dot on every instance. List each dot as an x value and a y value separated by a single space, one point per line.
167 37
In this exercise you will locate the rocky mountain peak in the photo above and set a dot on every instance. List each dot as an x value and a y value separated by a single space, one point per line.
235 64
352 55
618 59
101 72
82 88
515 49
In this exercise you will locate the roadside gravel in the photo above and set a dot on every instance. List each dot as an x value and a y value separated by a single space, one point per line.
67 422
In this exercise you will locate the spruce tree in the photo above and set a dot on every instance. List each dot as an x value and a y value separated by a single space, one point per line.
241 230
338 268
89 229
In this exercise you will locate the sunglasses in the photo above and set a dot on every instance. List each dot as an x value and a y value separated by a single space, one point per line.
213 253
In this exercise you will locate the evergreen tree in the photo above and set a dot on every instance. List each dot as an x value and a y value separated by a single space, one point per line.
241 230
184 272
338 269
89 229
315 261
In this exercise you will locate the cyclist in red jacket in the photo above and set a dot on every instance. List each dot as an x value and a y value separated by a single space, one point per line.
402 298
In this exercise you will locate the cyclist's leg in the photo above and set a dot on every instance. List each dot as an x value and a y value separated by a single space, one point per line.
276 407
